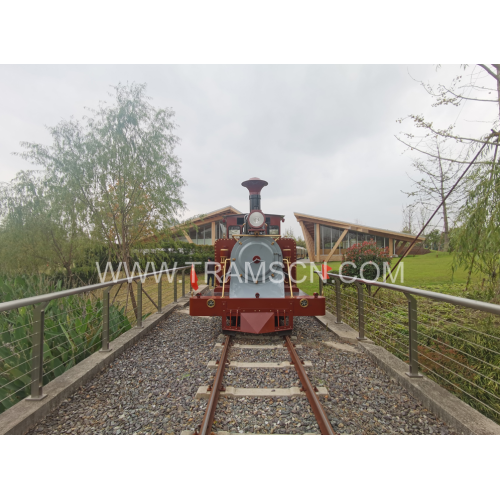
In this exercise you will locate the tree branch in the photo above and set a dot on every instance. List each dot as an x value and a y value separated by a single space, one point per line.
488 70
434 156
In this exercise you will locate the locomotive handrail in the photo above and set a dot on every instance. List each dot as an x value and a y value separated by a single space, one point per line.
289 276
224 275
239 236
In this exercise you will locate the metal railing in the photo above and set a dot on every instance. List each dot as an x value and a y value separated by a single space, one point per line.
39 343
453 340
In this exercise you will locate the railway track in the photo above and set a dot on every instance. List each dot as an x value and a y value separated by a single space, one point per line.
217 388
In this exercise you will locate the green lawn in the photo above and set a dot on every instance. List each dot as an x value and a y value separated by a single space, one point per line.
419 272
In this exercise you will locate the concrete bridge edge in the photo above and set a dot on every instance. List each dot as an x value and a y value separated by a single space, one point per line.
435 398
21 417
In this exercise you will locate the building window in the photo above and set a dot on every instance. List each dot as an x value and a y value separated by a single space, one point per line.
208 234
329 238
326 239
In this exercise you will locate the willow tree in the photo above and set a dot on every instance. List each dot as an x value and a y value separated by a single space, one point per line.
477 234
40 226
119 165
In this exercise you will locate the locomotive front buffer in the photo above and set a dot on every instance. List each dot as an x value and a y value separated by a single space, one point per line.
255 289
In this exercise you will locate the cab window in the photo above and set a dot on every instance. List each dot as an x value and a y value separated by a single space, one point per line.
234 230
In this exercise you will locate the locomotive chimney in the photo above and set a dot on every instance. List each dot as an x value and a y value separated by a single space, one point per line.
254 186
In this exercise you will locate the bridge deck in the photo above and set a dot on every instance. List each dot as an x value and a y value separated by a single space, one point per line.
151 388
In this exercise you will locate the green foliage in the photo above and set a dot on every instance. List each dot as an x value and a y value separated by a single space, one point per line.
367 254
80 276
459 348
73 327
433 239
40 226
421 271
476 239
115 173
171 252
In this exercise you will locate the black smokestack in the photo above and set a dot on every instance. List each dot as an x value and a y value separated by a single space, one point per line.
254 186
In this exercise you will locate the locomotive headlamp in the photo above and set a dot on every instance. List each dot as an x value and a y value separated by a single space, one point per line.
256 219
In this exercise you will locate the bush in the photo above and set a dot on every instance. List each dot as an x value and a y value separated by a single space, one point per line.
366 252
73 327
171 252
81 276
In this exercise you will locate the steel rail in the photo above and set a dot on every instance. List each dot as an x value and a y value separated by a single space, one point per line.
14 304
317 408
442 297
208 419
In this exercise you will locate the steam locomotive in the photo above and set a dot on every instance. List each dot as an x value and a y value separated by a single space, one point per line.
255 275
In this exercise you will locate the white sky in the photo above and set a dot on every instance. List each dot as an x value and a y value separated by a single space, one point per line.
321 135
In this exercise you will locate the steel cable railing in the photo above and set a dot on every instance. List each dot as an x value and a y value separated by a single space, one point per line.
40 343
453 340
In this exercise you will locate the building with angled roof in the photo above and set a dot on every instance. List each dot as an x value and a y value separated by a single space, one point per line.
327 239
204 230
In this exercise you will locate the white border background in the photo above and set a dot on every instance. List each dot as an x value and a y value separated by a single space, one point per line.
271 32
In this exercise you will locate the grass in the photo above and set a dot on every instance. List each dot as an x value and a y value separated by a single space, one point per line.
459 348
420 271
73 327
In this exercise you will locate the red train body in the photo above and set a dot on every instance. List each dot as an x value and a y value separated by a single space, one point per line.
256 273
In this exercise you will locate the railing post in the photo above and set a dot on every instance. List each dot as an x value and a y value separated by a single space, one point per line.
320 285
139 303
183 283
175 286
413 337
361 312
105 321
37 353
159 293
338 299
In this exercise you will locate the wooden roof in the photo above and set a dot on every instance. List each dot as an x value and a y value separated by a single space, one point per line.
211 216
310 220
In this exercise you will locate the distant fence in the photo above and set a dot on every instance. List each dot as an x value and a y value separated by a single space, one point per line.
453 340
41 337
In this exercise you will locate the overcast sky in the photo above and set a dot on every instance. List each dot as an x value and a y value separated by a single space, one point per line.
322 136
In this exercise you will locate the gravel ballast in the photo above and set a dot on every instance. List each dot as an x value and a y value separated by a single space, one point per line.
151 388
